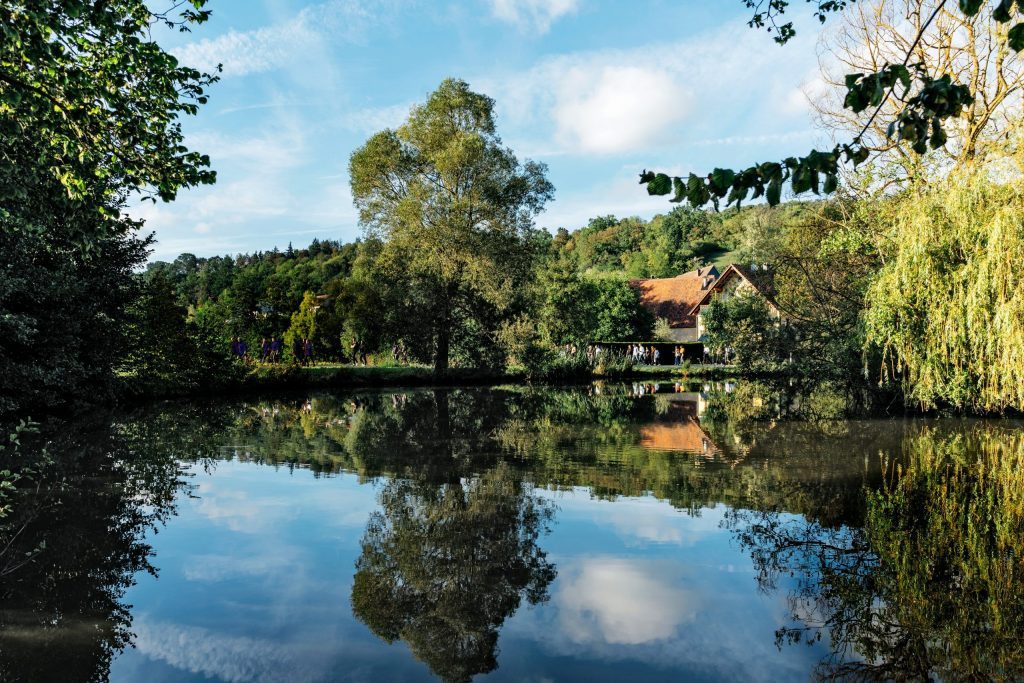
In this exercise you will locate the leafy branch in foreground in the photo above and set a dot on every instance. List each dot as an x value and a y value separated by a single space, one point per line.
101 100
928 103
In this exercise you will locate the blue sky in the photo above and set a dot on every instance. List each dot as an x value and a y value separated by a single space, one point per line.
596 89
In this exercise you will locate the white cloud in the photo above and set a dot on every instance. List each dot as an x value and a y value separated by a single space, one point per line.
533 15
617 108
271 47
623 601
228 658
373 119
656 96
214 568
644 521
255 171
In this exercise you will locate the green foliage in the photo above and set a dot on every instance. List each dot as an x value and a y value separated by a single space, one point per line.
255 295
62 317
620 317
744 324
166 353
303 325
101 101
90 110
454 210
947 308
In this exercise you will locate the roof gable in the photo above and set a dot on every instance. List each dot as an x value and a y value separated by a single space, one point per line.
760 280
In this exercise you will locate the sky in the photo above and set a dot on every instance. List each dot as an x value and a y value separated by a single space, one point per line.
596 89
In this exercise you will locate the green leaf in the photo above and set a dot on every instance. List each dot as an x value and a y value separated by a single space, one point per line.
903 74
831 183
680 190
938 137
1015 37
661 184
722 178
970 7
774 192
801 180
1001 13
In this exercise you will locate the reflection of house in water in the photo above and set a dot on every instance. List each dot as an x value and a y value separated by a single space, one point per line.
678 429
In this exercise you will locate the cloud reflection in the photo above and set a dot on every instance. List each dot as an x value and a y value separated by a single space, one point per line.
228 658
623 601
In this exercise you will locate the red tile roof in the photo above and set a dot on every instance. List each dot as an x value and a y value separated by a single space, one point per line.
673 297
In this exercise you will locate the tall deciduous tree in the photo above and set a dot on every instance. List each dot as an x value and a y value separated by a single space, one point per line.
453 207
90 109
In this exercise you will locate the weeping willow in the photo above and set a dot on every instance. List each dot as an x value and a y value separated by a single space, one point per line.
947 308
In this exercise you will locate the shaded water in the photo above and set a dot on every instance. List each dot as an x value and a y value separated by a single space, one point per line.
594 533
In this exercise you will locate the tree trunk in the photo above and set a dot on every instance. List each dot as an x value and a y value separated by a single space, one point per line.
444 330
443 344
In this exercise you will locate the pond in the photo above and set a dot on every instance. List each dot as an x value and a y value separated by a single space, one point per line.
599 533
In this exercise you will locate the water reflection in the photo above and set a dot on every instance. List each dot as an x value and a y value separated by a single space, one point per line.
930 586
73 546
640 520
443 566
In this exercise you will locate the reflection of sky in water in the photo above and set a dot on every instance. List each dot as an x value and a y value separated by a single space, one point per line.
256 575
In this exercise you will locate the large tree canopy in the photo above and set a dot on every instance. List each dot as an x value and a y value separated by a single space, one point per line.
453 207
89 116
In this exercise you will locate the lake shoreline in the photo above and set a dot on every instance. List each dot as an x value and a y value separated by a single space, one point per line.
269 378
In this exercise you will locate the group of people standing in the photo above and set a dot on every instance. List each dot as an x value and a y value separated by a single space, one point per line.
651 355
638 353
272 350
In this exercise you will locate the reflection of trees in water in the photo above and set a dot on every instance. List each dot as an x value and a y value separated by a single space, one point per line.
589 436
71 547
444 565
930 587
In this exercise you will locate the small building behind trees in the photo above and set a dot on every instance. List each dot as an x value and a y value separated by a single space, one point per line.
675 298
681 300
738 280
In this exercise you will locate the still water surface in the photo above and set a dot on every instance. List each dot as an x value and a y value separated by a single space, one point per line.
599 533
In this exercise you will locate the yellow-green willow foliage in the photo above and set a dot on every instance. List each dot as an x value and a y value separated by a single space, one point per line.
949 534
947 307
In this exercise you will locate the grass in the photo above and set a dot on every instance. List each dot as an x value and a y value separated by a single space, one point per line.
721 258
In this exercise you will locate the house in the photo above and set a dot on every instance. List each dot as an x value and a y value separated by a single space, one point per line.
680 300
737 280
676 298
